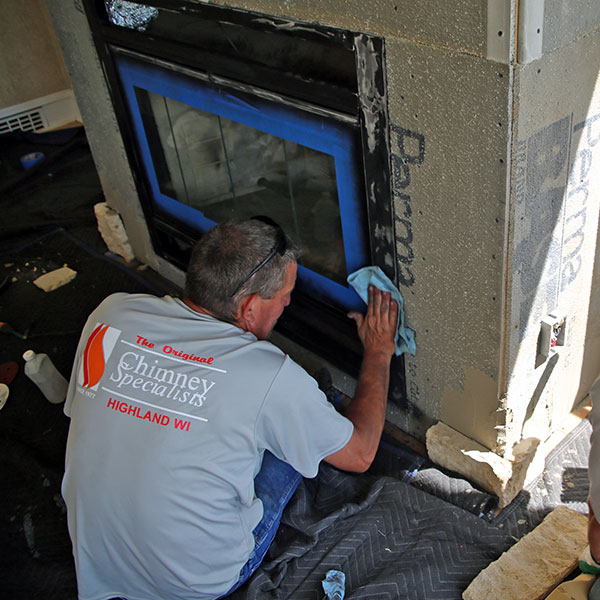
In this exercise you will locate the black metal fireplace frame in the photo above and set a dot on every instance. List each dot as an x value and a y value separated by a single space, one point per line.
361 97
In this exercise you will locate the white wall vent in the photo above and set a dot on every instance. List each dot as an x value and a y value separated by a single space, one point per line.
48 112
27 121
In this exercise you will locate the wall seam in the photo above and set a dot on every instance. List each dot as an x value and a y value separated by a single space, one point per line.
508 231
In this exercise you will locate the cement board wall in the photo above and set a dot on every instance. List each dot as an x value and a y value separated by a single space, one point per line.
555 188
459 24
566 21
450 227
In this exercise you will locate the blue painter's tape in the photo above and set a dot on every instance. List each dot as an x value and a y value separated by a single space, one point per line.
28 160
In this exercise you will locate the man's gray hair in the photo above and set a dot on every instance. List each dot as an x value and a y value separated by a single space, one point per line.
225 255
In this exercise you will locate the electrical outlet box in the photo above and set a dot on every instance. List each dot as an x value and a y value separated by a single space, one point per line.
553 333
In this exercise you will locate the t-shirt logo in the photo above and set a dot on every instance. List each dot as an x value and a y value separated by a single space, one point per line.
97 351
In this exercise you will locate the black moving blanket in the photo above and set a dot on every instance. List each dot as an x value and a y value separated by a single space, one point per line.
390 539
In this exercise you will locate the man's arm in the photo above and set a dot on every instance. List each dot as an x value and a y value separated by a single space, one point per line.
377 332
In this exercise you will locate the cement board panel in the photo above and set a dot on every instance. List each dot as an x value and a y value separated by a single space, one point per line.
565 21
554 217
450 126
460 24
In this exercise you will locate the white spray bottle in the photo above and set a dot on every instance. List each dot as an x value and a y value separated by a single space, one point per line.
40 369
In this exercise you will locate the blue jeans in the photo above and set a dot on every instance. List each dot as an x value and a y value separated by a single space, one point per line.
274 485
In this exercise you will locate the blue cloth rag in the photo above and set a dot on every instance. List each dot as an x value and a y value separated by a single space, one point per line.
360 281
334 585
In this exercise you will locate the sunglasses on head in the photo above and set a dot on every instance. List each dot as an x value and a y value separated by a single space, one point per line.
279 248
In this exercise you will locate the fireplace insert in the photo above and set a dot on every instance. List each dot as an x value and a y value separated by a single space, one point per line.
229 113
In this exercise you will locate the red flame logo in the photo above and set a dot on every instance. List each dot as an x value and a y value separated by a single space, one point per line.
93 357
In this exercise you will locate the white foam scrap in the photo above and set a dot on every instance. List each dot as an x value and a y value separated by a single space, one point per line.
112 231
55 279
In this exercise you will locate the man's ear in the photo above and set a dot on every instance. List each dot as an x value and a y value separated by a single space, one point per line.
246 316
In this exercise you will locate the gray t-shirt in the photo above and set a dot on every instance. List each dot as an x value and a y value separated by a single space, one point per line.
171 412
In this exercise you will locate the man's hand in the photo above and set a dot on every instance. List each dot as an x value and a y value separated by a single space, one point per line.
377 329
377 332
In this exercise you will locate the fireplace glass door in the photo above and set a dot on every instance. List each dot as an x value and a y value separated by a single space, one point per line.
212 153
